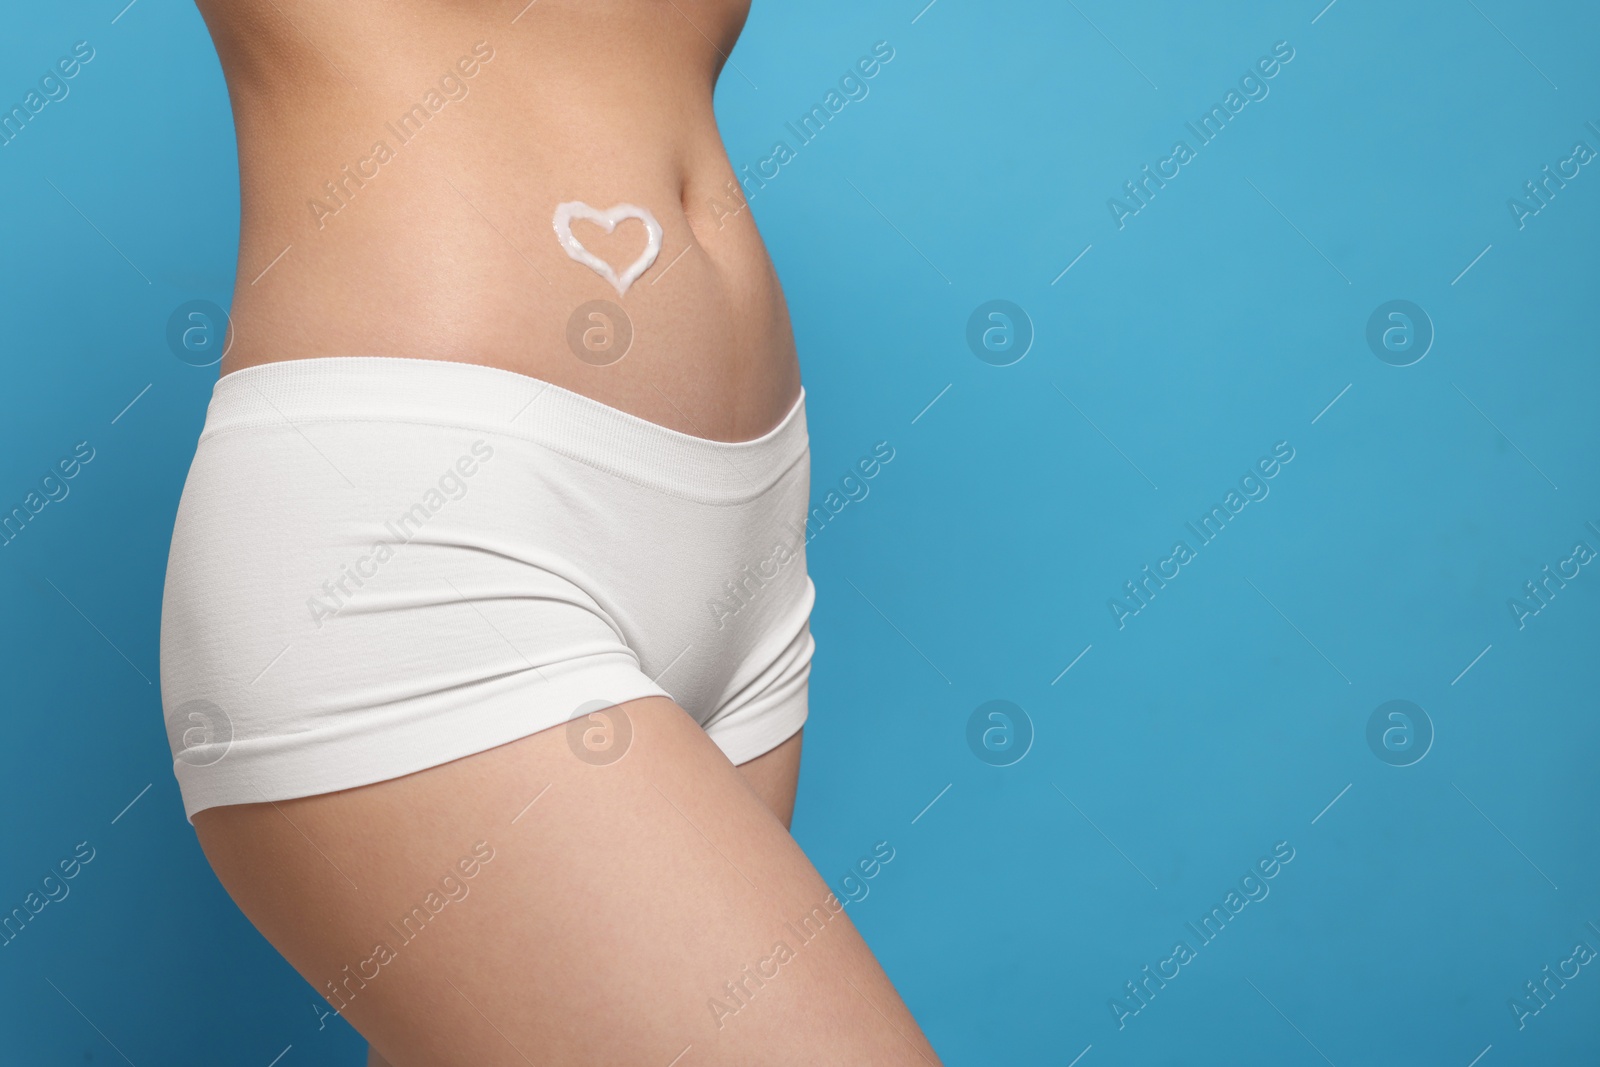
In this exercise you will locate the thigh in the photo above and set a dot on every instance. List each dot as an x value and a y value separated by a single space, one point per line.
775 776
529 905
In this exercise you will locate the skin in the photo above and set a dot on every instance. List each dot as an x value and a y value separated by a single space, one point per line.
613 911
592 913
446 251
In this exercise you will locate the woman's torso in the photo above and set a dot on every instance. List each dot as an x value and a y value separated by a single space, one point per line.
401 162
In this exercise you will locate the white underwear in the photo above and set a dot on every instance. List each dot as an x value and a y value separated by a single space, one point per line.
381 565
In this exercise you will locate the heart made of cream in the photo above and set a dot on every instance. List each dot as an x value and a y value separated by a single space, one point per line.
607 220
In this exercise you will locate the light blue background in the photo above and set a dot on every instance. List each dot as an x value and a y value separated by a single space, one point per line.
1224 718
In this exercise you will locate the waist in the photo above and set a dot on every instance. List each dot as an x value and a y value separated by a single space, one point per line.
347 395
403 200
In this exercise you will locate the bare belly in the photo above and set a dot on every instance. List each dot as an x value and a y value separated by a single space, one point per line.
401 162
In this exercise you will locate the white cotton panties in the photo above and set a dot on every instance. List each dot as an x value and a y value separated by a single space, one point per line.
381 565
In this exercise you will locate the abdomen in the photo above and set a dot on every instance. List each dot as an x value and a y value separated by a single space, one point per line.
401 163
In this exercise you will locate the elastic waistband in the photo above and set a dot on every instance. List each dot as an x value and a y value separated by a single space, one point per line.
492 400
